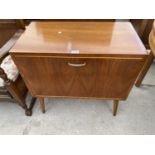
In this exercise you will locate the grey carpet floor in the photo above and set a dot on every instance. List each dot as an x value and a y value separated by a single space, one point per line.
136 115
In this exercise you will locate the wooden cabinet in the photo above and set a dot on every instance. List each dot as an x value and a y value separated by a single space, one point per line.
79 59
108 78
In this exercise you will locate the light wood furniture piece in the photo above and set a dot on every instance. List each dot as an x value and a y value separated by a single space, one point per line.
150 57
79 59
12 86
143 28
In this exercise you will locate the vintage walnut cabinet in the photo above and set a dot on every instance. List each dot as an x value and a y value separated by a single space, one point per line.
79 59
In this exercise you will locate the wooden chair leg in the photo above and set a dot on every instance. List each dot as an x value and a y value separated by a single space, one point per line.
115 107
42 104
16 95
144 69
28 111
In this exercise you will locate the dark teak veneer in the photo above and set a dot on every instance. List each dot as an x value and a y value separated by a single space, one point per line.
79 59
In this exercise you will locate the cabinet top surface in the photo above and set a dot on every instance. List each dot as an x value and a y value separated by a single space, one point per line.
80 38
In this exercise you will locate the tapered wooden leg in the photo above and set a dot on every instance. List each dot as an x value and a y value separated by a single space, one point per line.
42 104
115 107
144 69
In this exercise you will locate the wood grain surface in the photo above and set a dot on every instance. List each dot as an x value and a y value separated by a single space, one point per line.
99 78
87 37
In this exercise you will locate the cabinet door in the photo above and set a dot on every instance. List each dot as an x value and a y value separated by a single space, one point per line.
109 78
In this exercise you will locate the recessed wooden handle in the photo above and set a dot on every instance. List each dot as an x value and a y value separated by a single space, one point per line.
77 65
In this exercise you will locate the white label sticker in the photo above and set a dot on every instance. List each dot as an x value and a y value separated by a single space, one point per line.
75 51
